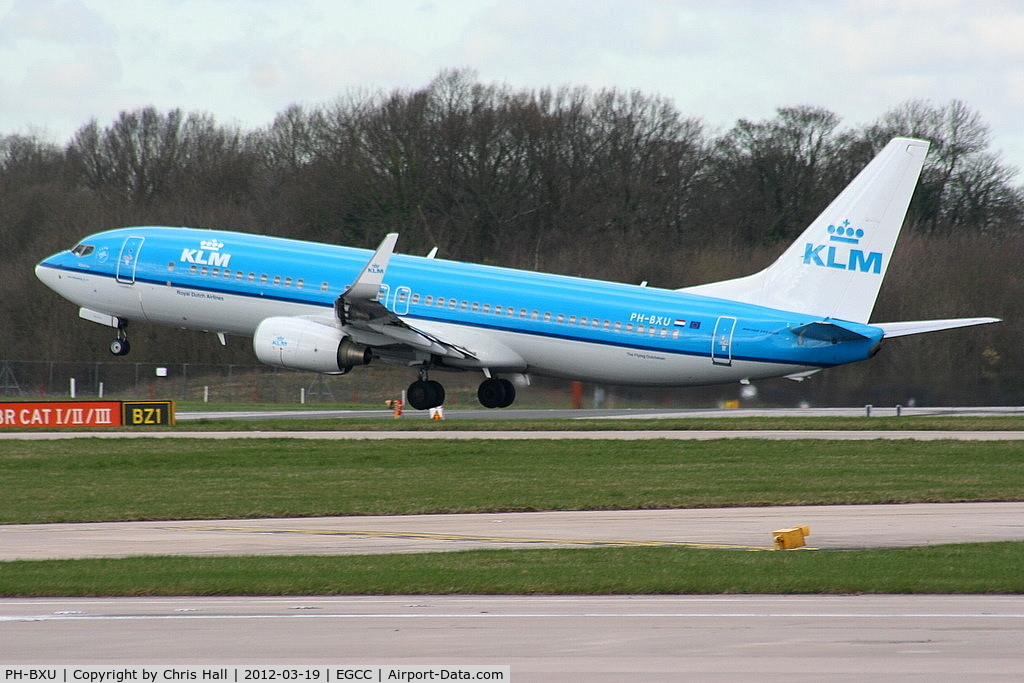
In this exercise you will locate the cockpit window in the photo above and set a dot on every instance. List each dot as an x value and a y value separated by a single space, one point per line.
83 249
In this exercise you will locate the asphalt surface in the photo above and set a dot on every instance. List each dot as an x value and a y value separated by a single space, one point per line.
831 527
592 638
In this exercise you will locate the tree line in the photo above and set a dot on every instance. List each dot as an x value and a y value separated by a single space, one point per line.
597 183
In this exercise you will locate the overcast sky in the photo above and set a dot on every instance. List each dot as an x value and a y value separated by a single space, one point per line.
64 62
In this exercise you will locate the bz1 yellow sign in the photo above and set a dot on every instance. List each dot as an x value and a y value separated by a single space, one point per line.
140 413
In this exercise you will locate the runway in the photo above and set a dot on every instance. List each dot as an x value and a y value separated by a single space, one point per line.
613 413
613 638
599 638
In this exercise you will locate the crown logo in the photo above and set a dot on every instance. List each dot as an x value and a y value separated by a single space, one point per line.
844 233
214 245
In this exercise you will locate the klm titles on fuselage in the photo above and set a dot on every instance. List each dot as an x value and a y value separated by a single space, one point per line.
208 254
838 256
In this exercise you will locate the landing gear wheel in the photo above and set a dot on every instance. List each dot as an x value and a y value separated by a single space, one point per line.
425 394
120 347
496 393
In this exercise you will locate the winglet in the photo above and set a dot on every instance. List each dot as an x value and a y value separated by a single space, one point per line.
367 285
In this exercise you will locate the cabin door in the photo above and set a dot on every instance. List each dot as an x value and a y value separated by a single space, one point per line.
128 260
721 342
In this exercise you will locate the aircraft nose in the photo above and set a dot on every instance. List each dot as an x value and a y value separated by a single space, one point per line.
47 274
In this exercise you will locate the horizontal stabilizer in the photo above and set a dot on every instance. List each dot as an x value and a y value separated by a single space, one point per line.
919 326
827 331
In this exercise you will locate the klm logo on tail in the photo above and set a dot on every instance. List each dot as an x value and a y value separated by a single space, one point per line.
840 254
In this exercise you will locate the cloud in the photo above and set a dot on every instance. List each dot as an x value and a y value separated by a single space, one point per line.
66 61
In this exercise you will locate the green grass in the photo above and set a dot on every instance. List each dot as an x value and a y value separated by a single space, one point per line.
142 479
981 568
126 479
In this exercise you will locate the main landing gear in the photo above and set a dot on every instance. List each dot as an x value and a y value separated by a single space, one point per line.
424 394
496 393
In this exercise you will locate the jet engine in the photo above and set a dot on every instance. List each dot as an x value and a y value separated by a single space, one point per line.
302 344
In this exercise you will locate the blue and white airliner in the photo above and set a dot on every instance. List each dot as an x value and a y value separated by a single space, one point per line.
326 308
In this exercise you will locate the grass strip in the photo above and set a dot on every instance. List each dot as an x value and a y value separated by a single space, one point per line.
455 422
154 479
990 568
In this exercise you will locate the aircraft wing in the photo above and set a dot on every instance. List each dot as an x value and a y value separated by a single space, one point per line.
369 322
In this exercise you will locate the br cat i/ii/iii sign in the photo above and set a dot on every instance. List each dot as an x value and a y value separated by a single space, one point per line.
63 414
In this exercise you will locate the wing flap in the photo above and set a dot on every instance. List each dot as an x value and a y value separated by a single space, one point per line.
370 322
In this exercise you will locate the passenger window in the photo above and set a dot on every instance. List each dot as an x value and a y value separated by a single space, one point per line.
300 283
170 266
324 286
263 279
287 282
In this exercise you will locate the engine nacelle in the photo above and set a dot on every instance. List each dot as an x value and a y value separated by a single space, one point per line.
306 345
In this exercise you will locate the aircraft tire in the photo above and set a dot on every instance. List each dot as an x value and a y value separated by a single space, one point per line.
496 393
120 347
424 394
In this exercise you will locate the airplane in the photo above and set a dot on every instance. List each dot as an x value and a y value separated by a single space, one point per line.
328 309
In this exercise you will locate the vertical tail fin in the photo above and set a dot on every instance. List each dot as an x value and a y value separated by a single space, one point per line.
835 268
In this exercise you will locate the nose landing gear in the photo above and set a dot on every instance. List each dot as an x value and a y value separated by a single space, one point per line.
120 346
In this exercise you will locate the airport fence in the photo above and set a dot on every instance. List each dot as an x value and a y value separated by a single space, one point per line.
211 383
